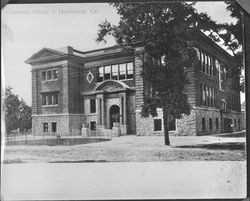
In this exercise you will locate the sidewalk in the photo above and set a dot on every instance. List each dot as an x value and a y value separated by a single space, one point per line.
148 180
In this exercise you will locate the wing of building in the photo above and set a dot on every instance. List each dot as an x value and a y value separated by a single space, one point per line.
101 92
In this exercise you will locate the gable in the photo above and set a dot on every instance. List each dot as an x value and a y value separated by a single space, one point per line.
44 54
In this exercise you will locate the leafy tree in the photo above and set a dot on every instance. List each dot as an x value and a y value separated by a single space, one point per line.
17 112
165 30
234 31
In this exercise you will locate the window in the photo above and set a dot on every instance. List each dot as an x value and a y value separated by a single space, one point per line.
92 106
206 64
221 77
201 94
239 124
235 124
92 125
53 127
172 125
45 127
207 96
107 72
44 101
55 74
50 99
55 99
101 75
122 74
203 124
49 75
157 124
43 75
115 72
217 123
130 70
210 123
209 65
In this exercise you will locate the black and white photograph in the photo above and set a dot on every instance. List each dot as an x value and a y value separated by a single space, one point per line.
124 100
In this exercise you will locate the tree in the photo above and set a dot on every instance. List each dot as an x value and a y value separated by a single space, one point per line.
165 30
17 112
234 31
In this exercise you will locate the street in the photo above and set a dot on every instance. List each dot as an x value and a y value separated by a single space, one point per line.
148 180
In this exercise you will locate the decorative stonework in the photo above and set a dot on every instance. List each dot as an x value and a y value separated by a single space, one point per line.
111 86
90 77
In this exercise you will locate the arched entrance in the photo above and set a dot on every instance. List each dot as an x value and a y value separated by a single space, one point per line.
114 114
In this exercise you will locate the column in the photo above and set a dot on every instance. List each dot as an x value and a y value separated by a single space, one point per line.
121 109
98 111
125 109
103 111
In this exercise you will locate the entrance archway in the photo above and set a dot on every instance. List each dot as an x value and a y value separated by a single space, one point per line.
114 114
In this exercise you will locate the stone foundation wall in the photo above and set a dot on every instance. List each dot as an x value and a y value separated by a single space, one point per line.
192 124
66 124
145 125
207 113
234 116
186 125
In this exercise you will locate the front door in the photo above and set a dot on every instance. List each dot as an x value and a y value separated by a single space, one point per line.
227 123
114 115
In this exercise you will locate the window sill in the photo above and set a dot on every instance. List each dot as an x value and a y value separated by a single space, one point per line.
52 80
116 80
46 106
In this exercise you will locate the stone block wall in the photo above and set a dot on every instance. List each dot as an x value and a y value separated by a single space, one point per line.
145 125
66 124
207 113
186 126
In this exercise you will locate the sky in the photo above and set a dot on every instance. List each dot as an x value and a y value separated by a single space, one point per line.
27 28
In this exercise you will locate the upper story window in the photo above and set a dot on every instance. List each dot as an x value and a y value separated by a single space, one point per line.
116 72
122 73
55 74
208 95
130 70
222 73
50 99
107 71
207 64
48 75
101 74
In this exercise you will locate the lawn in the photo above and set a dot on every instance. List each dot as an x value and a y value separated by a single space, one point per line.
134 149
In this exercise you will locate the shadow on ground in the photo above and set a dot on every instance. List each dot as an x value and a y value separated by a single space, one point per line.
232 135
80 161
217 146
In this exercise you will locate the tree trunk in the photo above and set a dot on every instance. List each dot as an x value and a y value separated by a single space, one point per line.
166 128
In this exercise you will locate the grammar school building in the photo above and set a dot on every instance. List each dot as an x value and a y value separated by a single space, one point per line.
101 92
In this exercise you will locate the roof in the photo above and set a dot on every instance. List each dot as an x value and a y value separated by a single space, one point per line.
48 54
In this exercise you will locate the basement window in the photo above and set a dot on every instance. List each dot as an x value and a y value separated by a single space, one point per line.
157 125
45 127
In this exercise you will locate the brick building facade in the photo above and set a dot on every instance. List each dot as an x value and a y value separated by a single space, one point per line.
102 91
